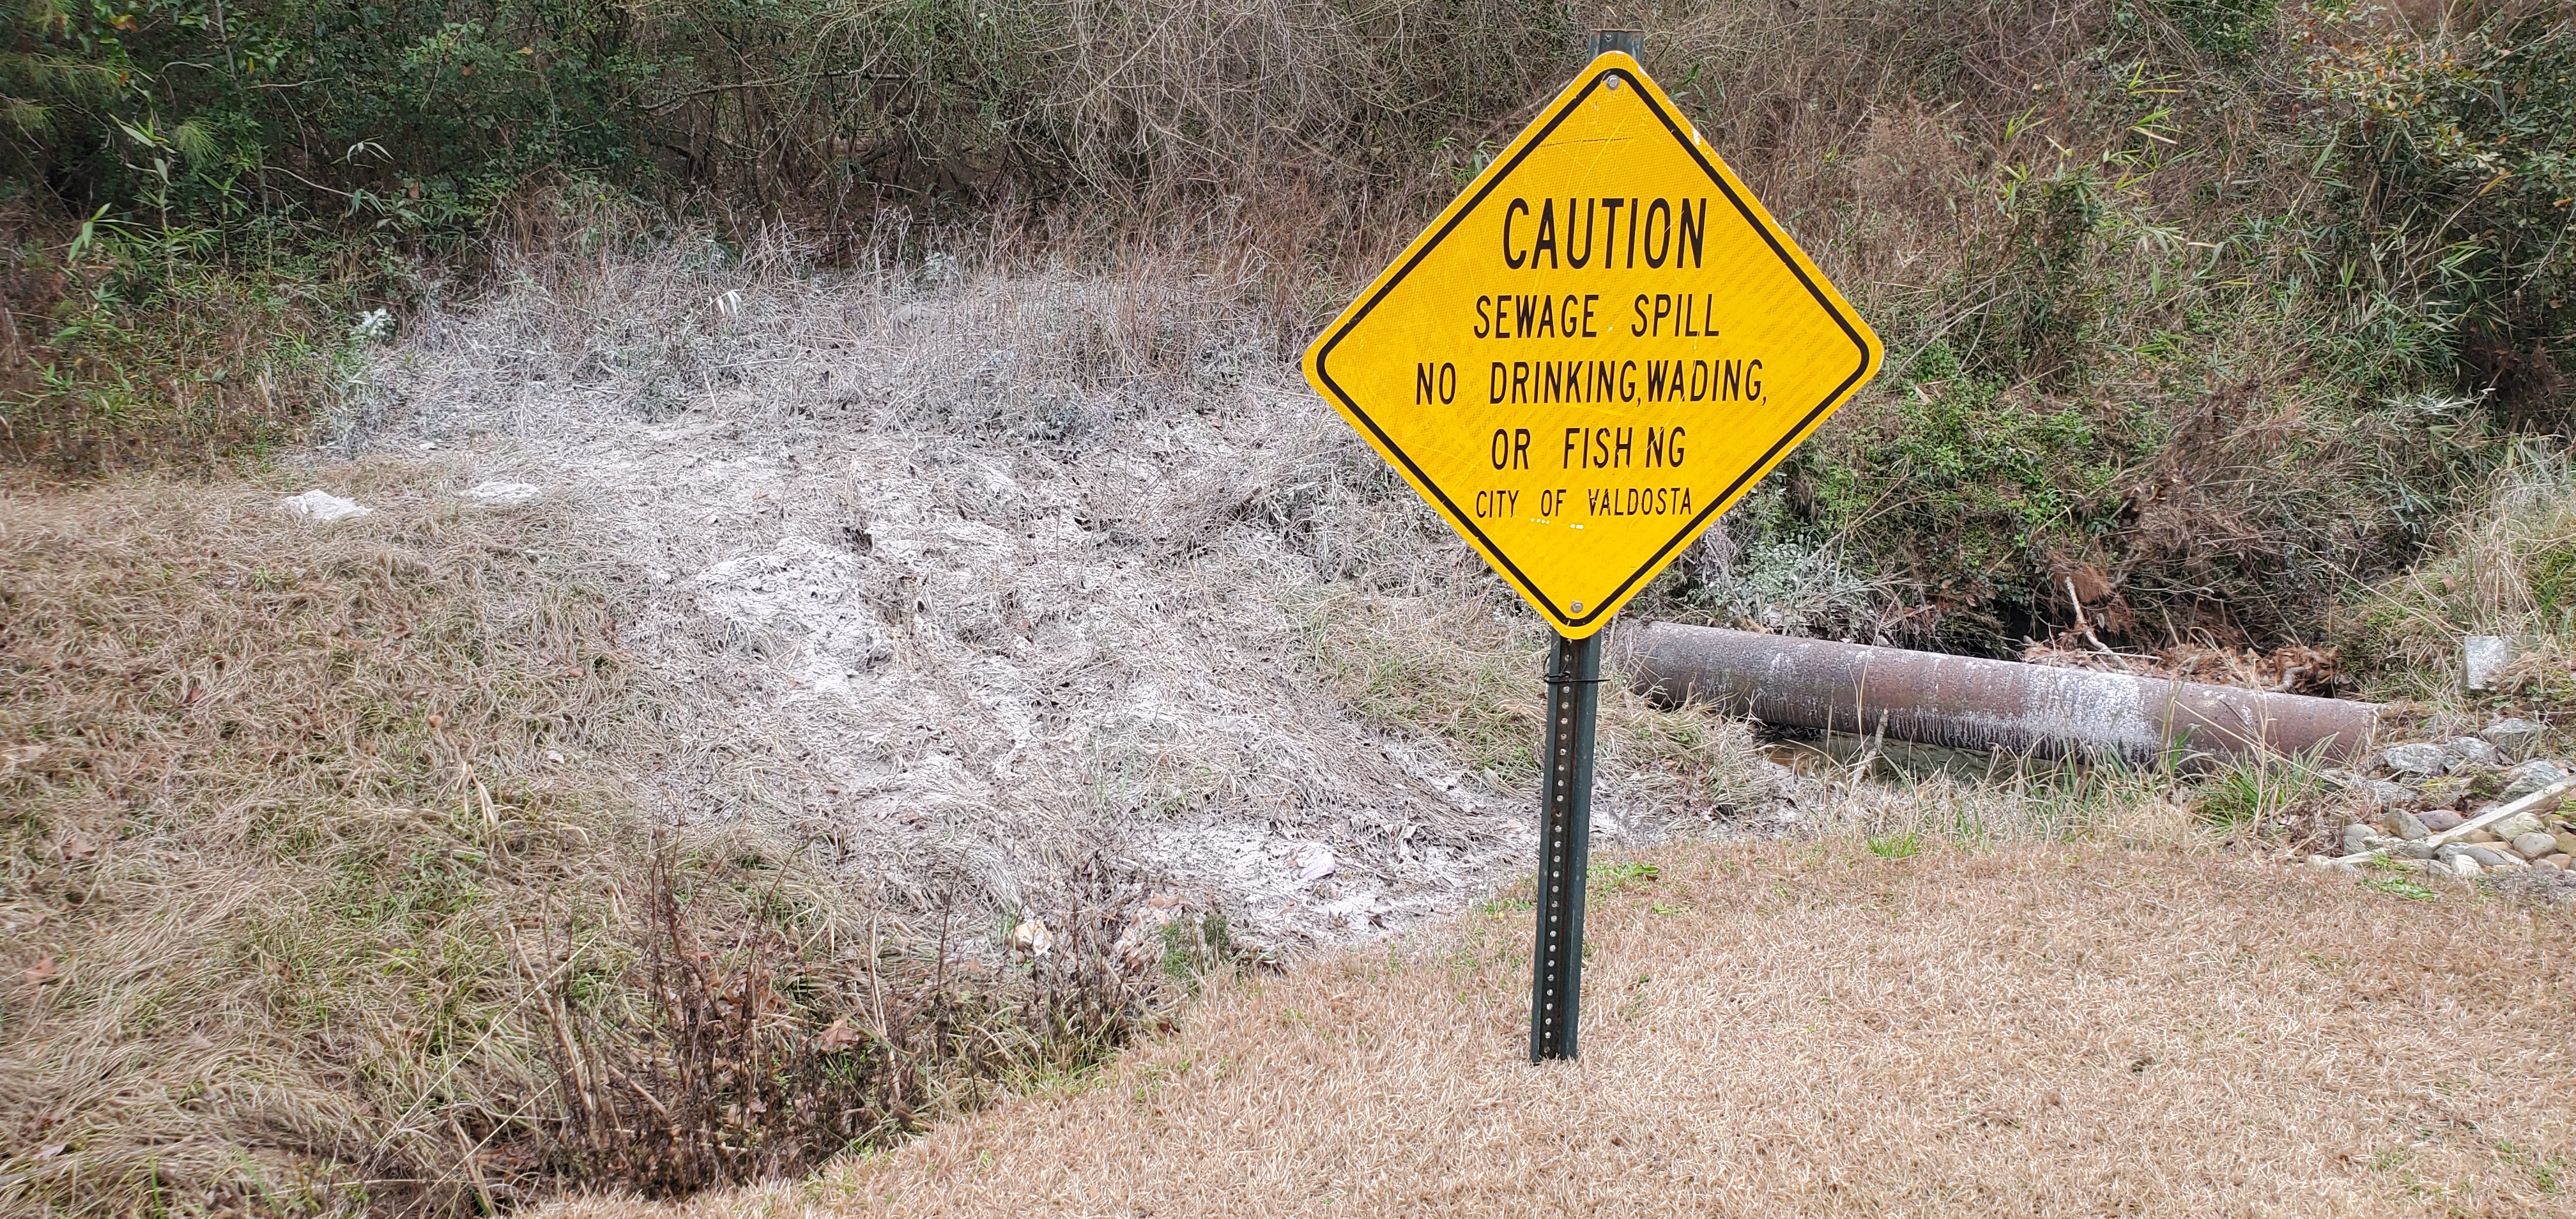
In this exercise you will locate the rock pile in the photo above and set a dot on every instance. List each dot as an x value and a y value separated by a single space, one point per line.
2433 805
2466 808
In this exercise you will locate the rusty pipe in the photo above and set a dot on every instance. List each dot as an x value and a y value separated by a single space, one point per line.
1967 703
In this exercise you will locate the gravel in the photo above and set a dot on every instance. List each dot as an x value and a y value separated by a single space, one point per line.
2409 803
2530 777
2469 850
2385 794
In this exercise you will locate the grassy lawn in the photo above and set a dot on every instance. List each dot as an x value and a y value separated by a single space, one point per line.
1820 1029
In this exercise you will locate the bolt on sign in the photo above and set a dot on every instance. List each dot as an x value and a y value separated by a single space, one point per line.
1595 350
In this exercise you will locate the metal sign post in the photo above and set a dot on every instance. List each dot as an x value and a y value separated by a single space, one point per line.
1564 847
1631 43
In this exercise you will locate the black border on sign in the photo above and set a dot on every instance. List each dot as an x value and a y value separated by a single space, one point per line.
1797 433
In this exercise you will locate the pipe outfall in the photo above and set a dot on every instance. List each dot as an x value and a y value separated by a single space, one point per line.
1967 703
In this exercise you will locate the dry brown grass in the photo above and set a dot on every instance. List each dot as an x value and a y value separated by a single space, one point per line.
1466 676
263 774
2508 569
1813 1030
324 890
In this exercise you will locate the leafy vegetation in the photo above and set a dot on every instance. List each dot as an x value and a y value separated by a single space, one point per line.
2470 142
2398 886
1608 879
2256 788
156 350
2230 29
2241 307
2208 306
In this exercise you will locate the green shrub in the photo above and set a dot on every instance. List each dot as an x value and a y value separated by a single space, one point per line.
2218 332
1961 489
2464 152
423 118
2229 29
2216 340
2044 322
155 351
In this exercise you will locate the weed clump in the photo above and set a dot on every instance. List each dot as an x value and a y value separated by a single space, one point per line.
2466 138
1474 684
2249 793
2508 569
131 346
1904 844
2230 30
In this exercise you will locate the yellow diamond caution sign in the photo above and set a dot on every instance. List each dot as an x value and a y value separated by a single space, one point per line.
1595 350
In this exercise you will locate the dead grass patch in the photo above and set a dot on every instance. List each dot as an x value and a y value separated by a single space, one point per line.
1815 1029
2012 805
1472 678
322 889
2507 569
284 791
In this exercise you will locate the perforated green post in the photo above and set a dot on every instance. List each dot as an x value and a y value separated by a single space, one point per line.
1565 846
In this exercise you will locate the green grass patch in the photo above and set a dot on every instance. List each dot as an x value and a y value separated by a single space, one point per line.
1606 879
2247 791
2398 886
1904 844
1449 672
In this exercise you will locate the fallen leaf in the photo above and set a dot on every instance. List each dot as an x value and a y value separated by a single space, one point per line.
1320 866
51 1151
42 972
1032 938
837 1038
77 848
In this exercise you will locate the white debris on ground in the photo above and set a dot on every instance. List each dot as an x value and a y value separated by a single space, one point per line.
501 494
958 581
2467 807
322 506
